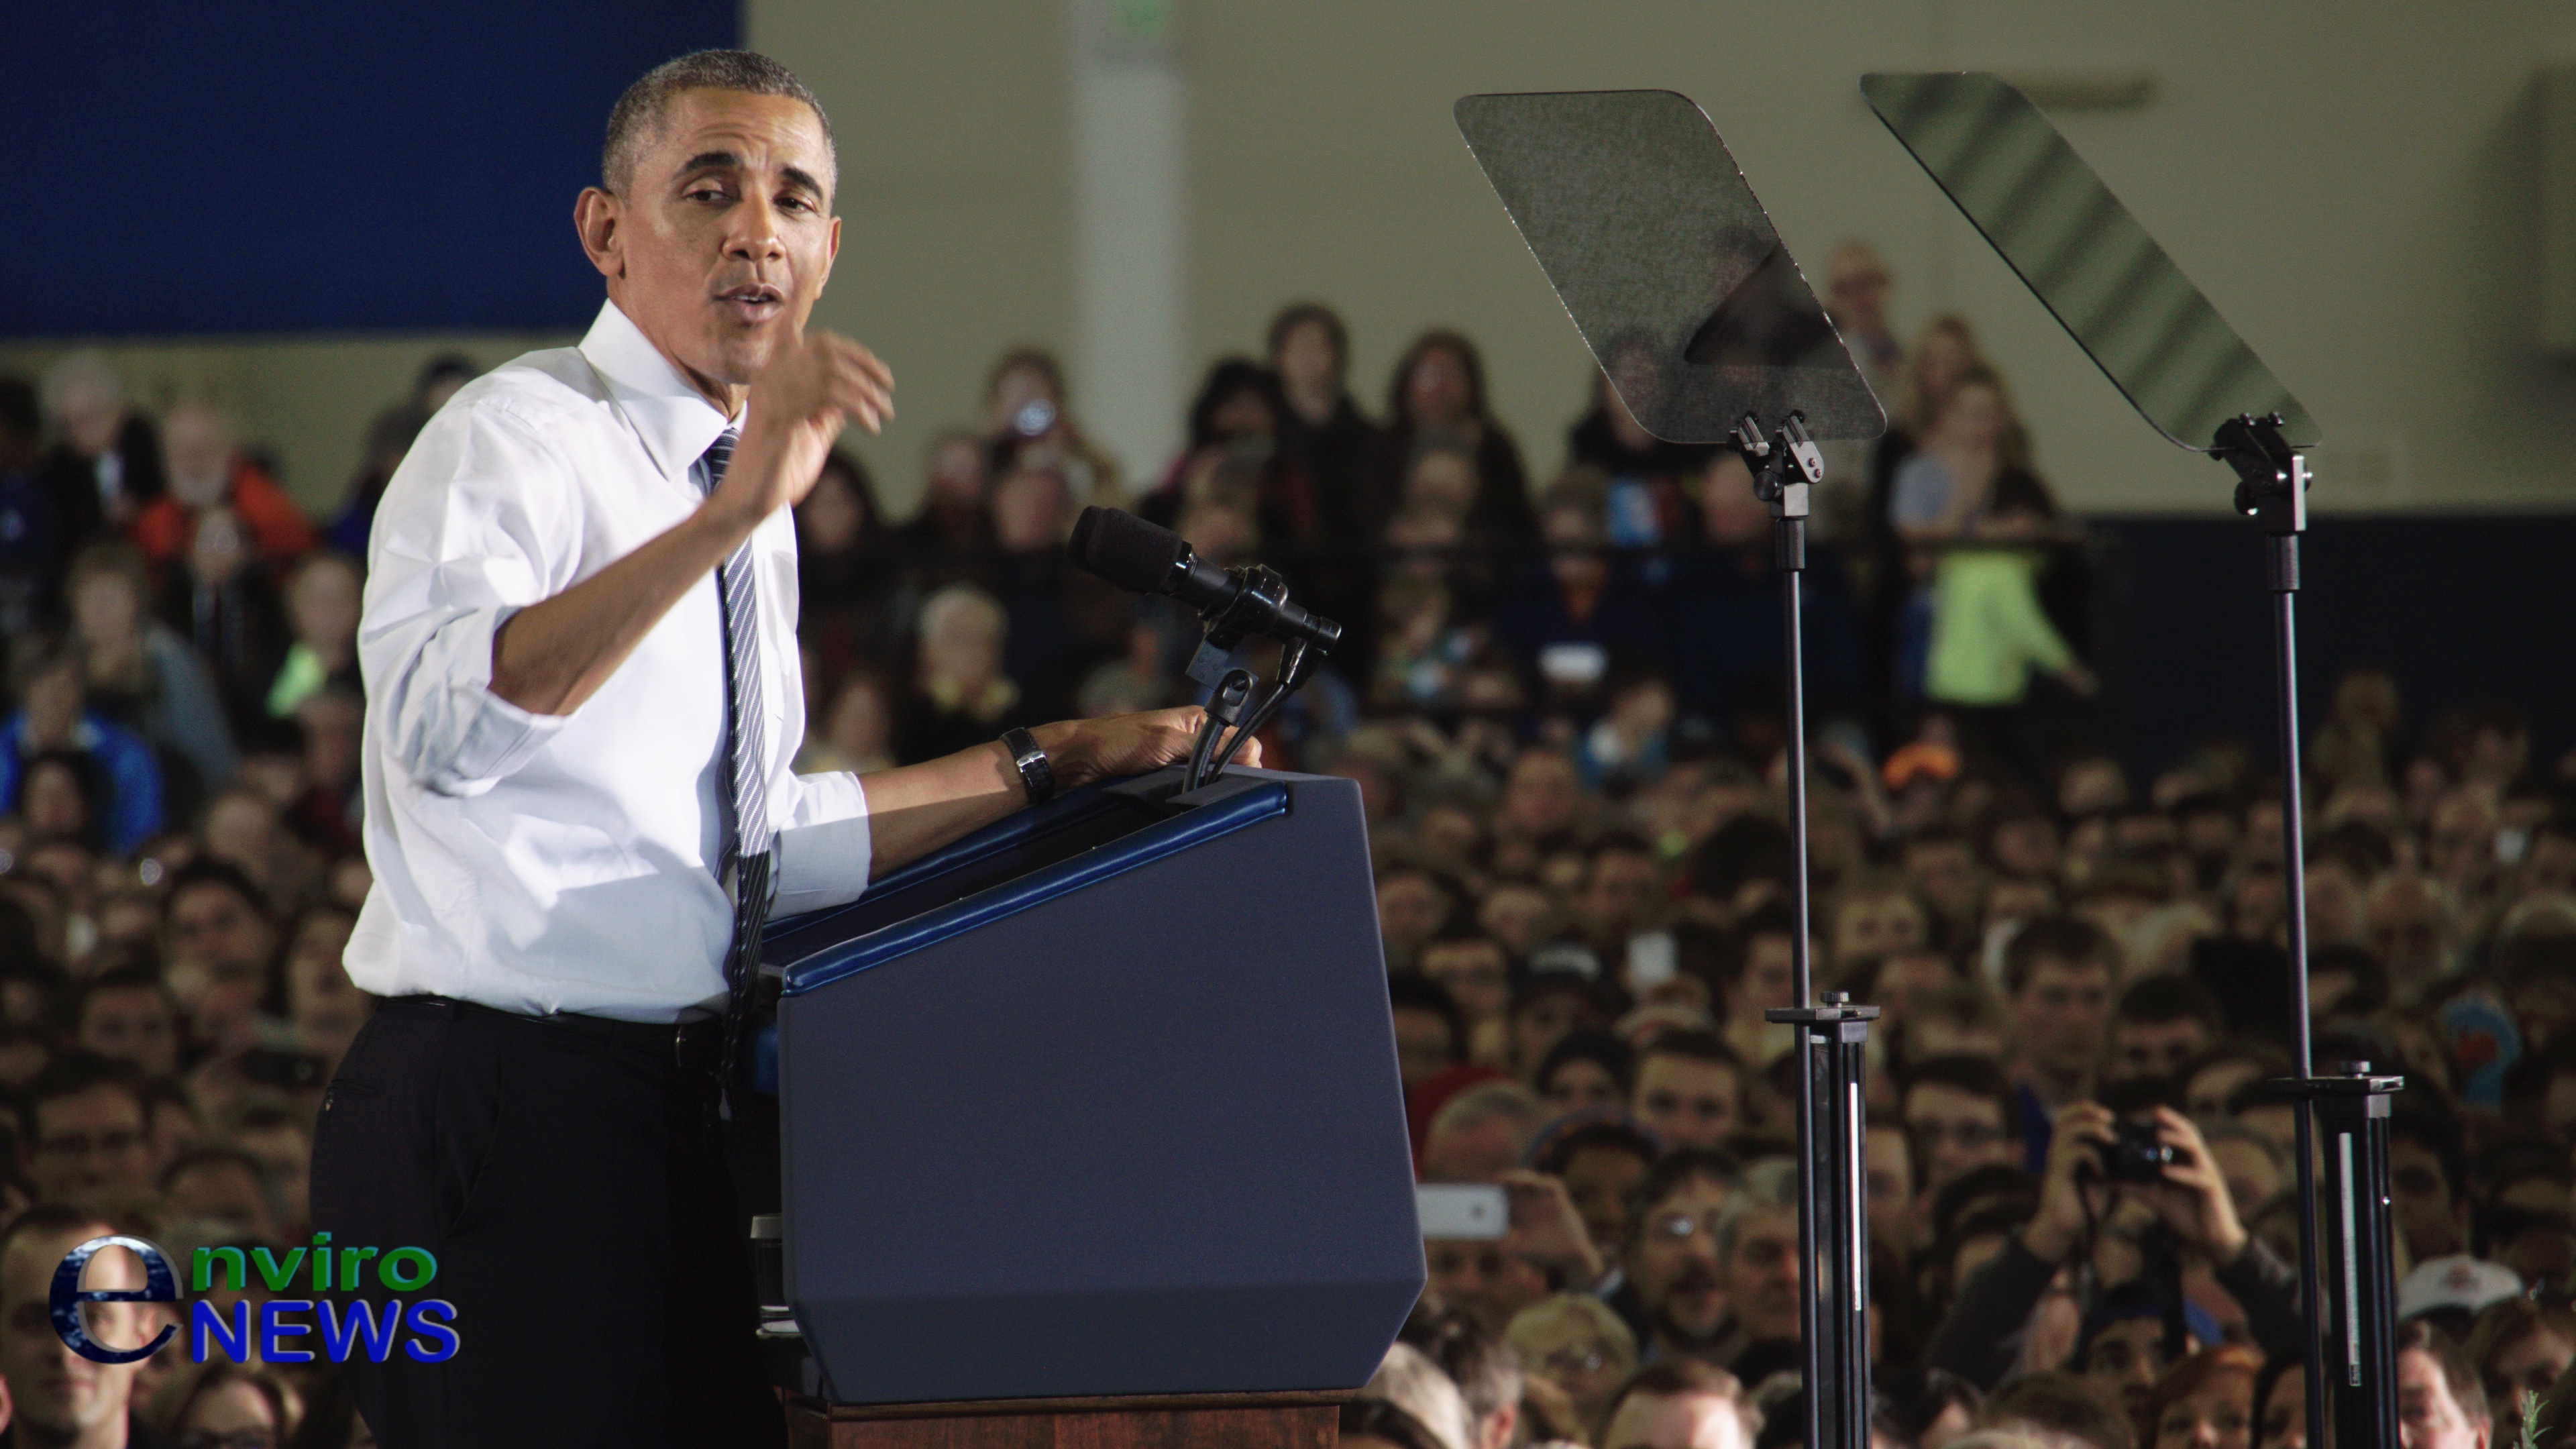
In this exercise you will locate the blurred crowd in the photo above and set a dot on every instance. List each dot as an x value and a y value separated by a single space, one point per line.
1562 695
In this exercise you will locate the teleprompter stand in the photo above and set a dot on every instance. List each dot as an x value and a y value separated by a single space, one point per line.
2194 380
1708 333
1833 1037
2351 1362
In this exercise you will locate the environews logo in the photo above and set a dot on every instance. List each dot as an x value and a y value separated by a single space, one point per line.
244 1337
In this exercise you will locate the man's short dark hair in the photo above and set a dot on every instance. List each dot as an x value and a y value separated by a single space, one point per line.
123 978
1976 1076
1979 1188
50 1217
217 873
1677 1167
1694 1046
2061 1403
1409 990
197 1159
2159 999
74 1073
1606 1050
1554 1149
639 112
2067 940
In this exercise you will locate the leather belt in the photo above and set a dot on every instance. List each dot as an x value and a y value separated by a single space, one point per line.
692 1042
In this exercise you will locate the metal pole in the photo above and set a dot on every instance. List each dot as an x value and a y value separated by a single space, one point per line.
2283 560
1812 1280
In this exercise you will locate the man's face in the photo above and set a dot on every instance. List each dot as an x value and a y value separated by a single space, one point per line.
1945 871
91 1142
1770 975
60 1393
1623 885
1682 1421
1422 1045
2422 1197
1877 925
2125 1357
1543 795
2155 1048
2429 1415
1598 1179
723 237
1581 1084
1956 1131
1474 973
1762 1272
1689 1103
1676 1268
132 1024
1514 913
197 449
225 1192
1480 1277
2061 1011
1907 978
212 924
1409 910
1544 1021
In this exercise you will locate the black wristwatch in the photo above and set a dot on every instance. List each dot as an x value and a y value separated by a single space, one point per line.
1037 776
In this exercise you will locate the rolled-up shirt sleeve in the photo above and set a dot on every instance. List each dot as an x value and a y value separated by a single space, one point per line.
458 546
824 847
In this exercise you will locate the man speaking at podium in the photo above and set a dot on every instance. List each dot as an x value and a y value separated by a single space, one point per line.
579 646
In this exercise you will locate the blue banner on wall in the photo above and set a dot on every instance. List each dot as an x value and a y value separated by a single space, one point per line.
303 167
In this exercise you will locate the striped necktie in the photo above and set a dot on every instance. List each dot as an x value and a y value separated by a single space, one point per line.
747 831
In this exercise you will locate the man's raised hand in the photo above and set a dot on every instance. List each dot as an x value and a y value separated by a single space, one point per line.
812 385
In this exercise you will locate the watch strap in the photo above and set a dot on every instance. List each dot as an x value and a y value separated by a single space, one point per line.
1037 773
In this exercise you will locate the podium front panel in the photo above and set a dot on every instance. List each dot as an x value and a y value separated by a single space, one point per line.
1127 1122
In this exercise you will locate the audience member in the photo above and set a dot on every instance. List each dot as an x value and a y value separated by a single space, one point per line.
112 769
56 1396
206 470
1679 1403
105 465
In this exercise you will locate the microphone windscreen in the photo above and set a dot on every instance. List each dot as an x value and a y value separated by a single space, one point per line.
1126 550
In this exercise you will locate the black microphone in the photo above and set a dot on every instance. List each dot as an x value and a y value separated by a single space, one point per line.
1147 558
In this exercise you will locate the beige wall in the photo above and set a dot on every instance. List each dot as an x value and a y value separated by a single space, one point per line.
2355 185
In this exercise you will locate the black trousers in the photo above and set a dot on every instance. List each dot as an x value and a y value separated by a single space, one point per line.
569 1177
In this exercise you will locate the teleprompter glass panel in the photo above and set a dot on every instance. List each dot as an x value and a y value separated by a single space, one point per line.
1666 262
2081 252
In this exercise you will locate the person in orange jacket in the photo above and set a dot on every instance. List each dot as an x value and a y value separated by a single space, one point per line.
205 470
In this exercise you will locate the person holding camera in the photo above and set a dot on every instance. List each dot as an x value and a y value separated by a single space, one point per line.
2095 1159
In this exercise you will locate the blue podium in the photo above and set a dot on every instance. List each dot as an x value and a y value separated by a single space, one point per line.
1101 1101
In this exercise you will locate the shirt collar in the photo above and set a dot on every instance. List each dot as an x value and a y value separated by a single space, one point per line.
675 420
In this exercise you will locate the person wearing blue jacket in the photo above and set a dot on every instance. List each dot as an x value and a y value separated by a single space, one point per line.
53 714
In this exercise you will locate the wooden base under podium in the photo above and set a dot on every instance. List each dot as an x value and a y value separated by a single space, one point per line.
1181 1421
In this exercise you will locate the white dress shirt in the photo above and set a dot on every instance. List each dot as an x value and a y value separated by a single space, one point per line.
568 862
